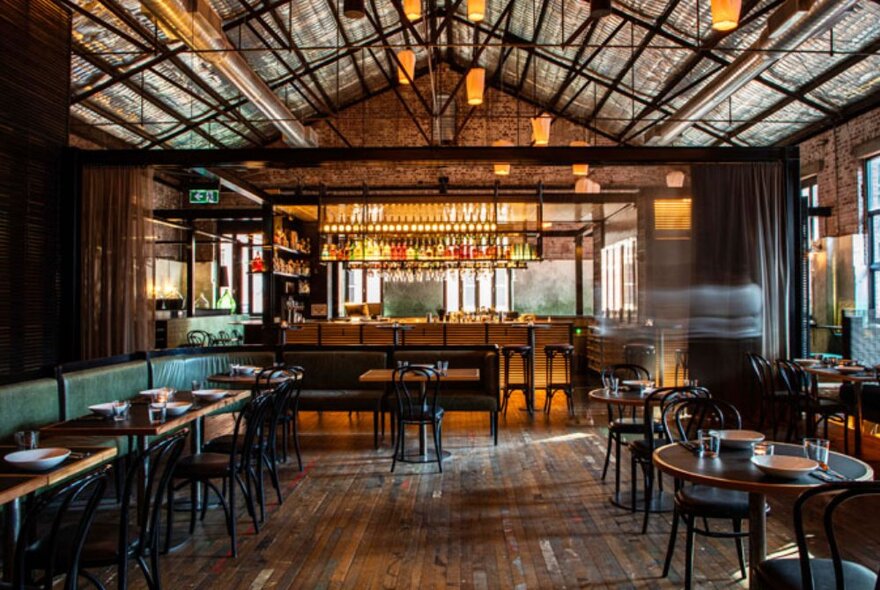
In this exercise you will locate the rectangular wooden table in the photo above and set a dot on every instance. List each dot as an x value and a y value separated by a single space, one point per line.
387 376
17 483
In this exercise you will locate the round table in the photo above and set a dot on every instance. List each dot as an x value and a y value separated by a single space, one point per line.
733 470
856 379
630 398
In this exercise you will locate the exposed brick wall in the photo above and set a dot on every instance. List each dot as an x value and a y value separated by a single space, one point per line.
839 180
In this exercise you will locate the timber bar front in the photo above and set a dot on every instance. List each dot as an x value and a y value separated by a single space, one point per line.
477 294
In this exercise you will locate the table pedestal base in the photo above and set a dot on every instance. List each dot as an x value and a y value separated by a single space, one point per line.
661 502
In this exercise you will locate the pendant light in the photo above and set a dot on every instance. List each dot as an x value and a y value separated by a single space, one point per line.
475 81
675 179
502 168
476 10
725 14
412 9
406 71
579 169
586 185
353 9
541 129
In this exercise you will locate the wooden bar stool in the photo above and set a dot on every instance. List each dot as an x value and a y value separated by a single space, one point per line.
681 367
562 352
524 353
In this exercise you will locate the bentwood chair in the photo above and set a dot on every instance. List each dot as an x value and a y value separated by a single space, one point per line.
654 435
119 541
771 398
199 338
237 469
803 397
619 424
807 572
417 389
682 421
52 535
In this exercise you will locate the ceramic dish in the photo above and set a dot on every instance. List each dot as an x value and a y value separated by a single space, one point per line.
784 466
105 410
638 384
151 392
209 395
38 459
849 369
177 408
739 439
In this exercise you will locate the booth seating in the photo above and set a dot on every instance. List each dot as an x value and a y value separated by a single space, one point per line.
179 367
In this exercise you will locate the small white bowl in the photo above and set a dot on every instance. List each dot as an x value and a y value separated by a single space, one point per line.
849 369
38 459
638 383
177 408
209 395
105 410
152 392
784 466
739 439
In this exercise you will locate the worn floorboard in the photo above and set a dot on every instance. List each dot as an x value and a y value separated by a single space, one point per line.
529 513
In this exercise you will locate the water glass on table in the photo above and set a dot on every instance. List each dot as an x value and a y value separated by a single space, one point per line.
197 385
27 440
817 449
120 410
761 449
708 443
442 367
614 385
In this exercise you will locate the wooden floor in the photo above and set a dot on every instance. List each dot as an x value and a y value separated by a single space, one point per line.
529 513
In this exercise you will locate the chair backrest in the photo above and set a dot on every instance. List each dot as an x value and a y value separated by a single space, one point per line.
250 430
797 382
837 494
662 398
161 457
199 338
765 378
52 524
285 394
417 387
625 372
683 417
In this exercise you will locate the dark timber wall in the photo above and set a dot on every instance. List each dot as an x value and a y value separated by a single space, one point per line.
34 92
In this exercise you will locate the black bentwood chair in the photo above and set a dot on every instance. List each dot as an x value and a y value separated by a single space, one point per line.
619 424
52 535
239 468
772 399
654 435
807 572
804 397
119 541
682 420
417 389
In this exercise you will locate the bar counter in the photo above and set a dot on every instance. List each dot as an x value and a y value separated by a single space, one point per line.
421 333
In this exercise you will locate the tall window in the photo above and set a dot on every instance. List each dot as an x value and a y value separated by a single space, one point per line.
872 197
810 194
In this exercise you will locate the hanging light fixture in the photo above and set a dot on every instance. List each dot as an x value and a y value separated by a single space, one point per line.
541 129
412 9
406 71
476 10
353 8
579 169
675 179
600 8
725 14
502 168
475 82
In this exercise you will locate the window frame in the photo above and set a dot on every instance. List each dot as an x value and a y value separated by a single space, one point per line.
870 216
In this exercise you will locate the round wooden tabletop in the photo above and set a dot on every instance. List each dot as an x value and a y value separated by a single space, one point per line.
832 374
733 469
624 397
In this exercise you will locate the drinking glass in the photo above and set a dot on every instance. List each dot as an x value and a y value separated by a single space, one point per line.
708 443
120 410
762 448
27 440
197 385
157 412
614 383
402 364
817 449
442 366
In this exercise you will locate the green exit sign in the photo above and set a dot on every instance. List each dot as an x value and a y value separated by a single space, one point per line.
203 196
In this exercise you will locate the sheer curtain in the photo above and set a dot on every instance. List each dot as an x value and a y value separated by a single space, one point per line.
117 313
741 272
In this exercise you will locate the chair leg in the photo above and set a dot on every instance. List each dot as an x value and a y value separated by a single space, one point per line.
435 430
740 550
649 492
396 447
846 433
632 483
169 517
294 423
617 464
670 548
607 456
192 507
230 516
689 553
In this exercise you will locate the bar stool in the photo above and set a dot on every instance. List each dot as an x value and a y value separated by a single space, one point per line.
524 353
563 352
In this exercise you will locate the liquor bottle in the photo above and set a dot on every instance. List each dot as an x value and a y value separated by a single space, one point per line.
386 250
325 251
410 251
